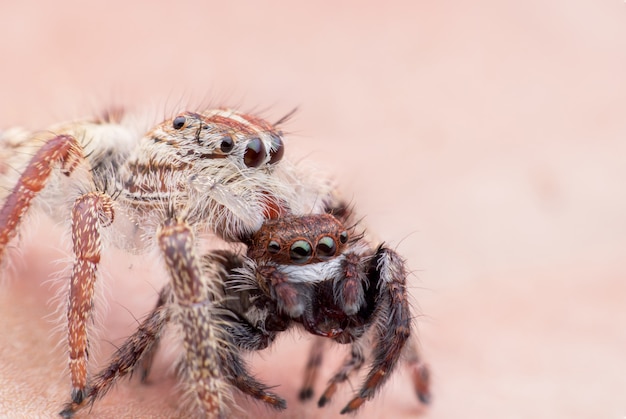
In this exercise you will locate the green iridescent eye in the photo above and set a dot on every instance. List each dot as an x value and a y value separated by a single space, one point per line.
300 252
326 248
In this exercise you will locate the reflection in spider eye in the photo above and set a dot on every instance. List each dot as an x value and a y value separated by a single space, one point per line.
300 252
255 153
273 247
326 248
227 144
278 149
343 237
179 122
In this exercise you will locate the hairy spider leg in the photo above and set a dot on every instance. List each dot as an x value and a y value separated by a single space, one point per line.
89 213
139 345
311 372
394 330
63 150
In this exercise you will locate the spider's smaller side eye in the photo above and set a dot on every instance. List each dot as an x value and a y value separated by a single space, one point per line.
343 237
300 252
273 247
227 145
179 122
278 149
326 248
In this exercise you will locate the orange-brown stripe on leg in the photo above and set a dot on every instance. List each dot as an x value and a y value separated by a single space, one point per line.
420 374
394 330
313 365
62 149
89 213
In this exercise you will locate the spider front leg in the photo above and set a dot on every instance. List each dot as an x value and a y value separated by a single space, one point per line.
393 329
89 213
63 150
195 301
140 345
211 360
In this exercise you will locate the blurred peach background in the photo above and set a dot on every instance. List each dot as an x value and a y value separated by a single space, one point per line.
486 140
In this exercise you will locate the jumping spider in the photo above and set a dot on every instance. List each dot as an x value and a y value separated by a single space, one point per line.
333 283
266 293
217 172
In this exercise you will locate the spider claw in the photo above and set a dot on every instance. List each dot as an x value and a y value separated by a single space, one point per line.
68 412
78 395
305 394
328 394
424 397
353 405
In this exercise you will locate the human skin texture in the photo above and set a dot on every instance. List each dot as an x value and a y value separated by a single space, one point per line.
483 140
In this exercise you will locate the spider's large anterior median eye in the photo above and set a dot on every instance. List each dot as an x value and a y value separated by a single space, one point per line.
278 149
255 153
179 122
273 247
326 248
300 252
227 145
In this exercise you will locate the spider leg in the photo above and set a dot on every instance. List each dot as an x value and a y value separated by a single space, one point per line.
163 314
393 327
211 360
419 371
292 297
312 368
63 149
353 363
240 333
90 212
137 347
196 298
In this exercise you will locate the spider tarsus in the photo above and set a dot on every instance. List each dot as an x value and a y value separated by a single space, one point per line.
424 397
68 412
322 401
421 382
353 405
305 394
78 395
143 374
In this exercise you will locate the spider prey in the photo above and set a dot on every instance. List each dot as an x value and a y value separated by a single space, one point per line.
218 172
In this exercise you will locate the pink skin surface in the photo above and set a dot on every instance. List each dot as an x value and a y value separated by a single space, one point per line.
484 140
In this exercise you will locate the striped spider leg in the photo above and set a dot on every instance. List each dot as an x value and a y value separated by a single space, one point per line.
215 168
338 287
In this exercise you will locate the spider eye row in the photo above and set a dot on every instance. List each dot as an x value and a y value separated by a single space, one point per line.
255 153
302 251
